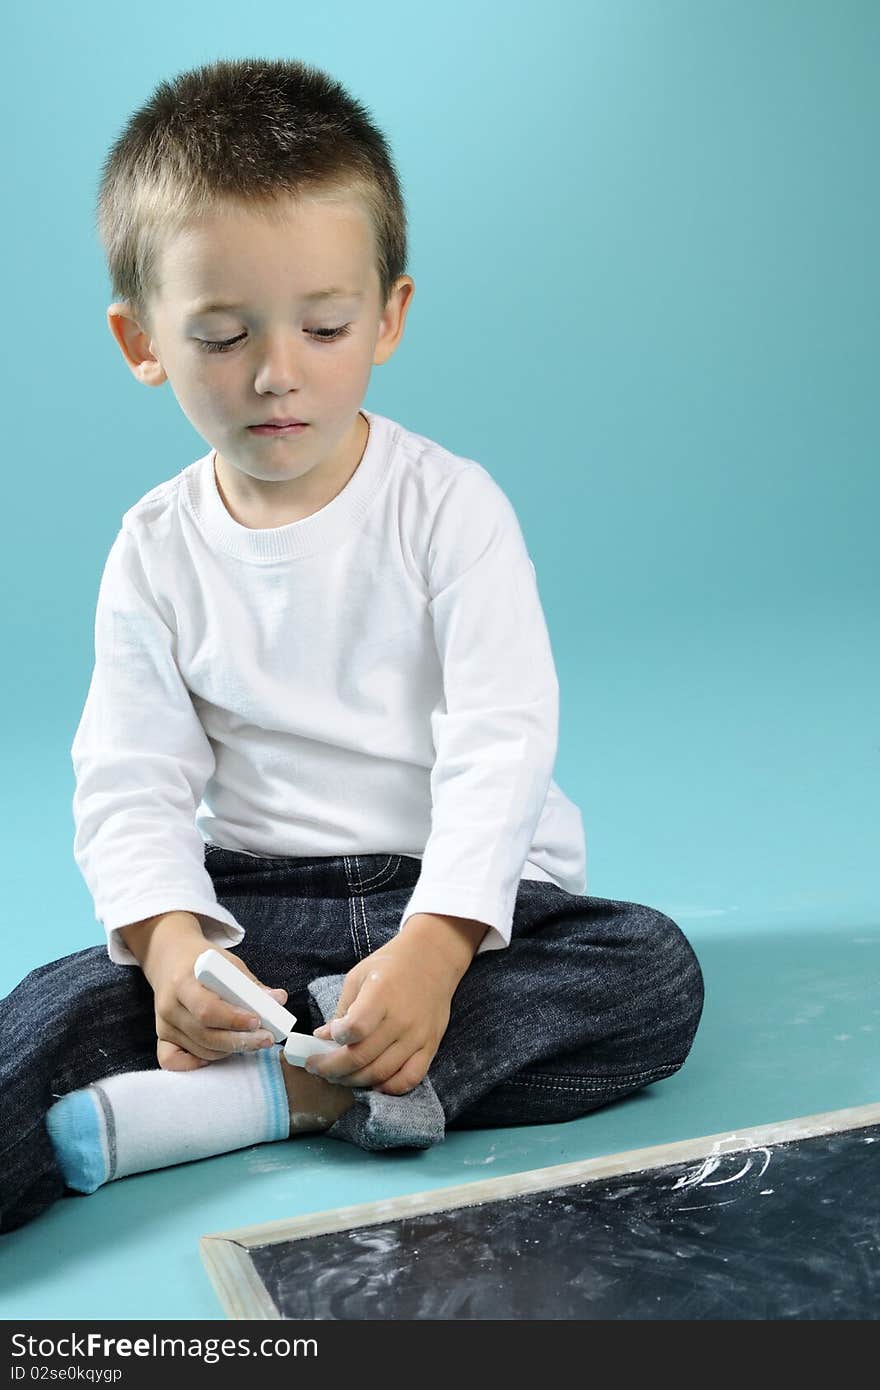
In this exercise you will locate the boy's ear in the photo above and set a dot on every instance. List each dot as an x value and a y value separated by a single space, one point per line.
393 319
135 345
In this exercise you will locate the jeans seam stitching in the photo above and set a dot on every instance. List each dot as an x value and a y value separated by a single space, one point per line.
352 914
357 899
368 882
392 867
596 1084
363 907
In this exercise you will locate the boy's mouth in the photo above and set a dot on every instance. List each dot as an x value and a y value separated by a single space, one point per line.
294 427
278 420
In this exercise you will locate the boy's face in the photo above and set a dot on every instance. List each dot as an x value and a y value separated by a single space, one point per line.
284 361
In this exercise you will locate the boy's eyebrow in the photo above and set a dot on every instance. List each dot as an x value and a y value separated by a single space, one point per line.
209 308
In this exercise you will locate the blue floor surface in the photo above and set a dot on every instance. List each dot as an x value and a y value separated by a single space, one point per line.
791 1027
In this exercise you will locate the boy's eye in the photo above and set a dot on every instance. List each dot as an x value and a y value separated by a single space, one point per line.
327 335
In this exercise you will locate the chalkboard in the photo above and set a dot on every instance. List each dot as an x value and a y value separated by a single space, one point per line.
770 1223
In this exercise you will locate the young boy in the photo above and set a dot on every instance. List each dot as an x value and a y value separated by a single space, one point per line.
322 722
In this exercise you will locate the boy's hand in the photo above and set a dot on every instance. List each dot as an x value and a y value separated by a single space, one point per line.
194 1026
395 1005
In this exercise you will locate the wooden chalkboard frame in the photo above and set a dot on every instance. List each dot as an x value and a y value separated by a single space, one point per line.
242 1294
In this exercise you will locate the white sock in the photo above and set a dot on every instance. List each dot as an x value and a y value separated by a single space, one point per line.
140 1120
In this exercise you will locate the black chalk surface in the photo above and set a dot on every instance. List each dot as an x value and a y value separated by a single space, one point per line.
788 1230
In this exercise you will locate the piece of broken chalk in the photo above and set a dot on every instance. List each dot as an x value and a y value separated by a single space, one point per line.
300 1046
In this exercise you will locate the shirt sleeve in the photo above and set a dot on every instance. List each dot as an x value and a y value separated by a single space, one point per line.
495 732
141 760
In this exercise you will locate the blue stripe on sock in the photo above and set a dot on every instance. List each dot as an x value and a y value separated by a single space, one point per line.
76 1128
275 1093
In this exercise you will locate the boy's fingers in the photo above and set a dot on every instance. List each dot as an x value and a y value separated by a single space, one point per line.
348 995
235 1040
405 1079
198 1033
338 1066
228 1041
352 1058
213 1043
174 1058
364 1015
383 1068
395 1060
209 1010
176 1038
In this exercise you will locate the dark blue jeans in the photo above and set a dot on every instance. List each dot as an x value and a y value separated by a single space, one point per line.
592 1000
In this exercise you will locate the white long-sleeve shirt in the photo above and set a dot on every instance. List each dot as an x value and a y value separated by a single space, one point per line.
375 678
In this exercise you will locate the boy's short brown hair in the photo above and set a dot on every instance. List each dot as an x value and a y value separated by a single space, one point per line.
253 132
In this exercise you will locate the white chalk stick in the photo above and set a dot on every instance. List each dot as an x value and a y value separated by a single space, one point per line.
219 974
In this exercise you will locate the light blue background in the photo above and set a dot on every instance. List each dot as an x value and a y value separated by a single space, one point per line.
644 240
